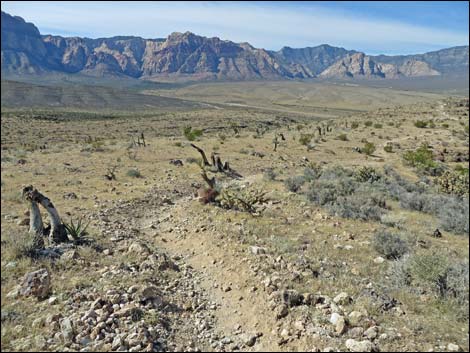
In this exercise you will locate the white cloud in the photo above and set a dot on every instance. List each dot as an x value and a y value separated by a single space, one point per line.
262 25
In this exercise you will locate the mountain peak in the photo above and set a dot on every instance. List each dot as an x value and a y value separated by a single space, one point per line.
190 55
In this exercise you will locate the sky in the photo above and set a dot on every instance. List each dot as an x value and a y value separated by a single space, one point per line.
379 27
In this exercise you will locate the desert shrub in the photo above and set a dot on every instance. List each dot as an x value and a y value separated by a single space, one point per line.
193 160
395 184
368 123
457 283
422 159
388 148
354 125
312 172
269 174
18 246
437 273
394 221
359 206
378 126
305 139
342 137
391 245
368 148
453 182
191 134
242 199
421 124
134 173
445 126
322 192
294 183
367 174
454 215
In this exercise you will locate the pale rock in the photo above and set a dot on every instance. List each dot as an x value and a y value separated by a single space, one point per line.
342 299
379 260
451 347
356 332
372 332
334 318
355 318
340 326
359 346
257 250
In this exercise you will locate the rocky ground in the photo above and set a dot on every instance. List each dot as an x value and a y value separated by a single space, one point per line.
167 273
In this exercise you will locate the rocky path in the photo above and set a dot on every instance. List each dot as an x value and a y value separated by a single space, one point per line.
225 306
243 316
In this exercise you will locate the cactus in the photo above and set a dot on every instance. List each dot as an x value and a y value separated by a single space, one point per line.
452 182
367 174
247 199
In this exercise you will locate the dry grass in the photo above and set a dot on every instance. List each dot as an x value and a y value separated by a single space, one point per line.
337 252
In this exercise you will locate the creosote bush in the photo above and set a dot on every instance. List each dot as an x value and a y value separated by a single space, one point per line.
368 148
422 159
388 148
190 134
305 139
421 124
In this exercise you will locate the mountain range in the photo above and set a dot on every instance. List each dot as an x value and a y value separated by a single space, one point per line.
24 51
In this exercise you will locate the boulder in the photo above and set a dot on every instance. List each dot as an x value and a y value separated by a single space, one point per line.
37 284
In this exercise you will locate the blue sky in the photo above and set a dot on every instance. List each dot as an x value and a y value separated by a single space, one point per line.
373 27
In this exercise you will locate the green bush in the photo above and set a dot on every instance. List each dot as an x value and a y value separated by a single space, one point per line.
388 148
368 123
191 134
368 148
421 124
354 125
421 158
378 126
134 173
305 139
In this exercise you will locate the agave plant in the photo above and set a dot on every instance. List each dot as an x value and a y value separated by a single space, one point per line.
78 231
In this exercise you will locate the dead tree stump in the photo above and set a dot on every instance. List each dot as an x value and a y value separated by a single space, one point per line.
58 233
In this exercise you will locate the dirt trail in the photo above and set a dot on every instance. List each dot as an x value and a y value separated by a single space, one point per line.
225 276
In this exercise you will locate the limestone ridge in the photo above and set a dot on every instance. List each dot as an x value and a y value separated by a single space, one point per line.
359 65
186 55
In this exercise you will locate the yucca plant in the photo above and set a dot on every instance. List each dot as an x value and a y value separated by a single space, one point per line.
78 231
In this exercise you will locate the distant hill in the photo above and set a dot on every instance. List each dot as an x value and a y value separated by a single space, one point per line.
20 94
183 56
